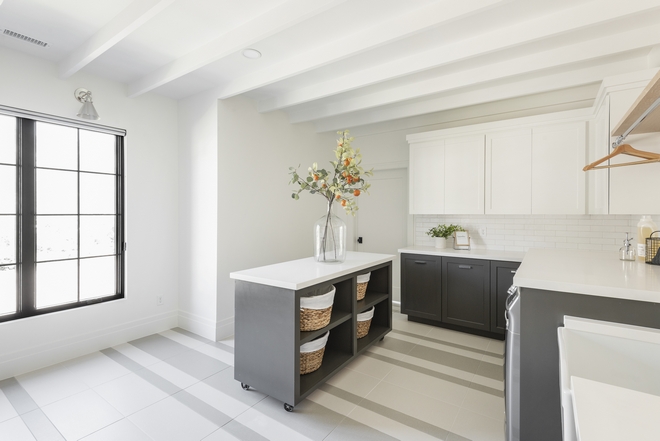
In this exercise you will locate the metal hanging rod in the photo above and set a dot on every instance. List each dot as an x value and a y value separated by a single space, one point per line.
634 125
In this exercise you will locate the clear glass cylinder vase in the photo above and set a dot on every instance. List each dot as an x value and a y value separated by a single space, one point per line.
330 238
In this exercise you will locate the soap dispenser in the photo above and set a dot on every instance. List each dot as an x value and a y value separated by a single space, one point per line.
627 252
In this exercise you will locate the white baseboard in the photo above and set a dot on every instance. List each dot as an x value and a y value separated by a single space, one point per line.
46 354
224 328
197 324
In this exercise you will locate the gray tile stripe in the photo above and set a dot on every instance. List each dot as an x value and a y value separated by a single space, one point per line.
439 375
216 344
448 343
210 413
385 411
33 417
242 432
17 396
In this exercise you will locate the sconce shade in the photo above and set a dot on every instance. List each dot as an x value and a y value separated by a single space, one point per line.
87 111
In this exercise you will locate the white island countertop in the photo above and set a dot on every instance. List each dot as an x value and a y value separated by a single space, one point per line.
507 256
597 273
299 274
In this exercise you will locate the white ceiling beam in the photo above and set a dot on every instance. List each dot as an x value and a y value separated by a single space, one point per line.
127 21
634 39
397 28
515 88
269 23
584 15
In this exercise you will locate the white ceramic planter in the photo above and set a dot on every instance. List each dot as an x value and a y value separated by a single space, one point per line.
440 242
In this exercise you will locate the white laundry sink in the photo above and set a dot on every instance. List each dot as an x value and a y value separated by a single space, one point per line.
615 354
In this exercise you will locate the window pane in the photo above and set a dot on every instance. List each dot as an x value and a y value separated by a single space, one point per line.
97 152
7 139
7 189
57 146
7 240
57 237
97 194
57 192
7 289
97 235
57 283
97 277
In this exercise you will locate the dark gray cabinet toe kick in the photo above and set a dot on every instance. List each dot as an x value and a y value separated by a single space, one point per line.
268 336
457 293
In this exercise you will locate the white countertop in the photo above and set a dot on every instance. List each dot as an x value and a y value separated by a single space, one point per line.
604 412
507 256
299 274
598 273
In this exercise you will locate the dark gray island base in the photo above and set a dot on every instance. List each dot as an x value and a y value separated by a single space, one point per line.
542 312
268 336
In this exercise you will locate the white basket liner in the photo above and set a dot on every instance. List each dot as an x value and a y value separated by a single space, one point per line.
315 345
318 302
363 278
366 315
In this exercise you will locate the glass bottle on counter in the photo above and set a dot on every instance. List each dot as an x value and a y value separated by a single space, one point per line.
627 252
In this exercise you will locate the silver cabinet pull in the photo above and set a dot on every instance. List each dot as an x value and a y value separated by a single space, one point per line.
464 266
421 262
513 271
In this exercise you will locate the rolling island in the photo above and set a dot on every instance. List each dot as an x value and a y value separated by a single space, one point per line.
267 331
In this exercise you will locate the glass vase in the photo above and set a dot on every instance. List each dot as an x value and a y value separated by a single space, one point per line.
330 238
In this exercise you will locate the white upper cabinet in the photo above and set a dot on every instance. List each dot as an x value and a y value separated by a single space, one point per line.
464 175
427 180
509 172
558 156
599 147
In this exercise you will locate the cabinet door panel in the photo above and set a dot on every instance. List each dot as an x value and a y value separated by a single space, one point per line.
464 175
501 279
558 156
598 180
466 292
420 286
427 180
509 172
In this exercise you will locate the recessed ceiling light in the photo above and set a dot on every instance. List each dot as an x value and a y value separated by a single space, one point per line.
252 54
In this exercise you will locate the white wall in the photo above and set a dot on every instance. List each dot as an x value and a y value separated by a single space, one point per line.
151 217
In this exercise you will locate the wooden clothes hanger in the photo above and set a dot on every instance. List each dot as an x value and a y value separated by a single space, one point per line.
625 149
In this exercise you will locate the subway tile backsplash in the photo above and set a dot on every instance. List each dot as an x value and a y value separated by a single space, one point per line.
522 232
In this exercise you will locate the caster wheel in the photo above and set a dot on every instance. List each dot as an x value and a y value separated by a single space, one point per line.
245 386
288 407
382 338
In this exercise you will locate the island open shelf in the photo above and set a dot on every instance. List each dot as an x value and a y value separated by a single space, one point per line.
267 317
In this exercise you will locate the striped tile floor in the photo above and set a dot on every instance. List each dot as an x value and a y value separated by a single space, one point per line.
419 383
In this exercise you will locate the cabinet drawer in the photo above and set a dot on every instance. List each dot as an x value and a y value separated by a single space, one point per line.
420 286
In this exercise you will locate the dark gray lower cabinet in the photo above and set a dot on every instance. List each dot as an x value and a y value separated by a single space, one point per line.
466 292
501 278
420 286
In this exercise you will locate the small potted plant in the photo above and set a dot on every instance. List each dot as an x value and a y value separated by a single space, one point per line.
442 232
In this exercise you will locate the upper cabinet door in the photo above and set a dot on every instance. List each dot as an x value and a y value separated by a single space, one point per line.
558 156
598 180
427 184
464 175
509 172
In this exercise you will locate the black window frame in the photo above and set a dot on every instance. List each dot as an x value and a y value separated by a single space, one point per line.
26 217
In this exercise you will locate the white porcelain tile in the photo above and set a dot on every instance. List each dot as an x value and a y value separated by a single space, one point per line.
81 414
51 384
96 368
170 420
221 435
460 338
218 400
354 382
496 346
485 404
389 426
430 386
477 427
370 366
122 430
173 375
7 411
15 430
199 346
130 393
414 327
331 402
268 427
438 346
137 355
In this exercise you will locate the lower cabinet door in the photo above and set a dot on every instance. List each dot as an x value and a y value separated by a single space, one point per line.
466 292
420 286
501 279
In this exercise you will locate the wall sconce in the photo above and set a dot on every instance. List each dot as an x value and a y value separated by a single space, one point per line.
87 111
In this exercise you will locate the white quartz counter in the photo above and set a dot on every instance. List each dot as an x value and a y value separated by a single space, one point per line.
507 256
598 273
299 274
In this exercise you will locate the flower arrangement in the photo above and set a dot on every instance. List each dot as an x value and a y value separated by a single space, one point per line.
443 230
342 183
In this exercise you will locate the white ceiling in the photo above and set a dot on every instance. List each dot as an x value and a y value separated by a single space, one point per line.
342 63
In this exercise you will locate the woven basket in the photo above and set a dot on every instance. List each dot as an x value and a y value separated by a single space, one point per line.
364 323
362 282
312 318
310 360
